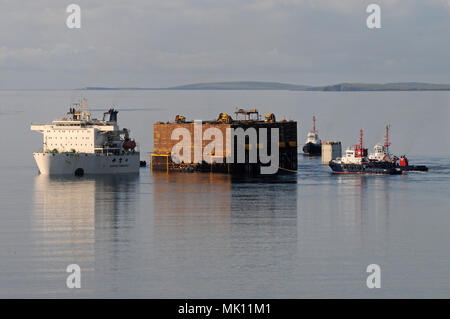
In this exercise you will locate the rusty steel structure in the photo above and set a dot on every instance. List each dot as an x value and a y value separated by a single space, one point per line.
161 159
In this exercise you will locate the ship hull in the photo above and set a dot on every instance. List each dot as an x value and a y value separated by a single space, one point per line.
312 149
368 168
413 168
86 163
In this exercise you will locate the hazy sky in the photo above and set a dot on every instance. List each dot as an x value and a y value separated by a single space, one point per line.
169 42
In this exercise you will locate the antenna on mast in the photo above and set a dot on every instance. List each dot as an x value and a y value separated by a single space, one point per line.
84 108
83 105
361 140
386 138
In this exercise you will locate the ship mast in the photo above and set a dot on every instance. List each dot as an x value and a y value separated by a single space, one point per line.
314 124
84 107
386 139
361 140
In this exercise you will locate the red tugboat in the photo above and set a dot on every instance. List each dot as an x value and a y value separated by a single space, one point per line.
356 161
381 154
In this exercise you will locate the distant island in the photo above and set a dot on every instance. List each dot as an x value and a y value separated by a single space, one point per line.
251 85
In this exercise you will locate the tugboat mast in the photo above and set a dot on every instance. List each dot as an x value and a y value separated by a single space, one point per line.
386 139
361 140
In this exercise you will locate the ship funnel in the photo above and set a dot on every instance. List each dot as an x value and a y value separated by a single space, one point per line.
113 115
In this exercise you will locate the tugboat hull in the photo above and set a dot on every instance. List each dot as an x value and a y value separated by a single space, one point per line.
367 168
413 168
312 149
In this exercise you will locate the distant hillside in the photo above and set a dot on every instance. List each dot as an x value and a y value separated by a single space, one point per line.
241 85
407 86
102 88
250 85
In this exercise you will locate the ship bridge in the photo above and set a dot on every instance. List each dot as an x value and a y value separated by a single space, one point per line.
80 133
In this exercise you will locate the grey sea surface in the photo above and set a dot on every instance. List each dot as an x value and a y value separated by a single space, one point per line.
200 235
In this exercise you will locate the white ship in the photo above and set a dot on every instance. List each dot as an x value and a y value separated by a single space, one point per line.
78 145
381 151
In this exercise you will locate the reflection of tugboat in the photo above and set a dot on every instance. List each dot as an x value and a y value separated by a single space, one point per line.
381 154
313 144
356 161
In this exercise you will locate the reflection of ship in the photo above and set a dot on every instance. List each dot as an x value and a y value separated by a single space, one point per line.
73 204
79 144
356 161
87 221
313 144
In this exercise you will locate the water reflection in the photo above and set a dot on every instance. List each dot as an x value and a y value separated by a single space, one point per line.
362 204
182 196
264 232
231 229
72 216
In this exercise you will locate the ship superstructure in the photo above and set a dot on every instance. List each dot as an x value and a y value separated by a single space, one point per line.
381 151
381 154
79 144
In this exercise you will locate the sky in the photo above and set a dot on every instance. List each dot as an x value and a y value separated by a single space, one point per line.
146 43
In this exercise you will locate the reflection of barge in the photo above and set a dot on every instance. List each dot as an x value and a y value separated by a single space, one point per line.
224 156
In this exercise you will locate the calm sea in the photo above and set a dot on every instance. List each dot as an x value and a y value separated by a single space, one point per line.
201 235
